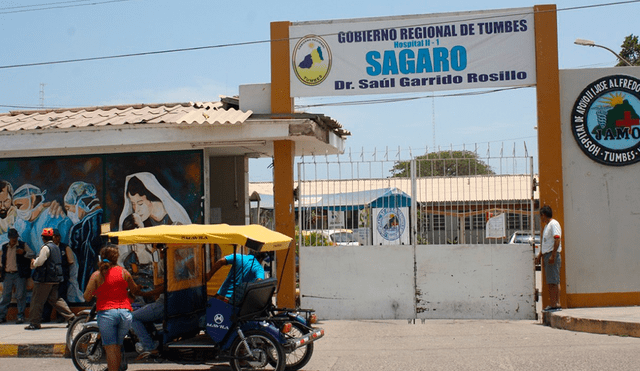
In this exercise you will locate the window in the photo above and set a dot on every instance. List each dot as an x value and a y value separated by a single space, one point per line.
423 221
474 222
518 221
438 222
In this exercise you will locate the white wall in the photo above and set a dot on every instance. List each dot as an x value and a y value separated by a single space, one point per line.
476 281
358 282
601 206
442 281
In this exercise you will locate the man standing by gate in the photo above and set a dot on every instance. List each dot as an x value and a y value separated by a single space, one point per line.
46 278
550 248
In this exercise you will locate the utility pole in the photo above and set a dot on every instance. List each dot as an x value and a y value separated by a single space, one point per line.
433 119
42 94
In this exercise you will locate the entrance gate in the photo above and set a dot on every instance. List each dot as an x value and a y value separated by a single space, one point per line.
430 235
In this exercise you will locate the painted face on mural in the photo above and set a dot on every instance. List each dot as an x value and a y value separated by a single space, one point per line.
74 212
24 206
141 206
144 209
5 203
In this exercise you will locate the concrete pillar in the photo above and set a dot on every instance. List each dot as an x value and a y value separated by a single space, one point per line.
284 206
549 130
283 161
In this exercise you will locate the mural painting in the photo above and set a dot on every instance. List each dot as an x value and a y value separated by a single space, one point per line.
172 194
78 195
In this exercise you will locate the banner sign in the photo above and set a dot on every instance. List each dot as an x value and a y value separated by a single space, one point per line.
497 226
605 120
432 52
335 219
390 226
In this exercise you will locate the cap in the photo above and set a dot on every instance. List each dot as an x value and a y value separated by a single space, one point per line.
56 232
13 233
47 232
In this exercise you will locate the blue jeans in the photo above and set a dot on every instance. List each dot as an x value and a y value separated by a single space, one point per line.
151 312
114 325
12 280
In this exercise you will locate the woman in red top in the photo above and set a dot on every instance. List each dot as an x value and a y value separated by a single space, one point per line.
111 285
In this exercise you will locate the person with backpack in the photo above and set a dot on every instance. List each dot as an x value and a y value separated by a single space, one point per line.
47 276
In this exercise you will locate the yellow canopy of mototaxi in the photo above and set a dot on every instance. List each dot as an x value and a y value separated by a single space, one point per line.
255 237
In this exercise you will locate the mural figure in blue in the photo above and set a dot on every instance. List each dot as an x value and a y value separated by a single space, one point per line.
34 214
84 210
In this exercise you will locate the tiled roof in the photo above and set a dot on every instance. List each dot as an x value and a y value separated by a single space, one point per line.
166 113
432 189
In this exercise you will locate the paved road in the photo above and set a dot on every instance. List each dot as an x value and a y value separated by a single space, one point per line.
437 345
470 345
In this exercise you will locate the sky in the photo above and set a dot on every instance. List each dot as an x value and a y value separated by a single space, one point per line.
53 30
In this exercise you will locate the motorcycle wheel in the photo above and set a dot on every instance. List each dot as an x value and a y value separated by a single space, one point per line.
266 353
75 327
298 358
87 351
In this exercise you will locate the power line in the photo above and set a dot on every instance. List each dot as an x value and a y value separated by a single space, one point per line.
580 7
404 99
167 51
46 4
58 5
27 107
360 102
133 54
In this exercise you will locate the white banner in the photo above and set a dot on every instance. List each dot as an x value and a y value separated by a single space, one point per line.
335 219
497 226
390 226
447 51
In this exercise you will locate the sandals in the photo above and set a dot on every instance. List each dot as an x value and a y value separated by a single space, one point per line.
552 309
33 327
147 354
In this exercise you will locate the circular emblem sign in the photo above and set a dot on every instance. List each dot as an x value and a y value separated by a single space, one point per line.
311 60
218 318
605 121
390 223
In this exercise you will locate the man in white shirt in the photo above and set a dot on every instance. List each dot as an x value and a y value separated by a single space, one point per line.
550 248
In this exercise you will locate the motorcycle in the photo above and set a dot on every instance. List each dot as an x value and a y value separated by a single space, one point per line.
299 356
253 334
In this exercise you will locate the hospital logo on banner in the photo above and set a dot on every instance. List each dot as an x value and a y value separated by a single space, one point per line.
311 59
390 223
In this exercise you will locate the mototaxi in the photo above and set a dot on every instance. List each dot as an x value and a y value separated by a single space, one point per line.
198 329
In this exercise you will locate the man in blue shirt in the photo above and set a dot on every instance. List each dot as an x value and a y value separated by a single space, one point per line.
244 269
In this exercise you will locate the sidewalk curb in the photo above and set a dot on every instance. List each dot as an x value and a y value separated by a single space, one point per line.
32 350
594 326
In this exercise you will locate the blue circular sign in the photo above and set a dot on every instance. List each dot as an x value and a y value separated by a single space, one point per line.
390 223
605 121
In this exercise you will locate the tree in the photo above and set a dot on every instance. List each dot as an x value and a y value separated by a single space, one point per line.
630 51
311 238
443 163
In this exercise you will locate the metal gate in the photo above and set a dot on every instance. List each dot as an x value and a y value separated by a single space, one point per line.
425 236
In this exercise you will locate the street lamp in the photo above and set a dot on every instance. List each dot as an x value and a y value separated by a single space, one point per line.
591 43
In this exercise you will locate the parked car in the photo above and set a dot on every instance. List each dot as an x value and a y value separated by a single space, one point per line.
341 237
519 237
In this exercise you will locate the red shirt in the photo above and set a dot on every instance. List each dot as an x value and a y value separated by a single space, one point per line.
113 293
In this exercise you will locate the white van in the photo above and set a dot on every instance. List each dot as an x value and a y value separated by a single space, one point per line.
525 237
341 237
